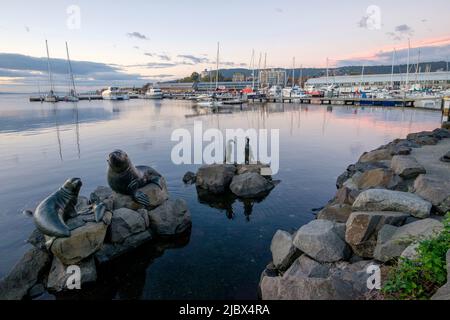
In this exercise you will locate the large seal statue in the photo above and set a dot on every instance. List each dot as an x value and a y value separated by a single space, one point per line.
125 178
51 213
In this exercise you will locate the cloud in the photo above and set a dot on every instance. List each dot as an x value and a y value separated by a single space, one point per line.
193 59
401 32
27 29
21 66
136 47
137 35
427 54
279 10
161 56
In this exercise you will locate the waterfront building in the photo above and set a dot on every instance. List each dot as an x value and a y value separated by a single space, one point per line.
272 77
238 77
354 83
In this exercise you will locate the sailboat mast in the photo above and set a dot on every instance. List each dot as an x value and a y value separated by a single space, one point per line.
293 72
417 67
71 71
217 66
392 72
50 77
407 63
328 83
259 70
253 69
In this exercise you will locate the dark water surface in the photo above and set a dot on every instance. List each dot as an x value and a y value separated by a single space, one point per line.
43 144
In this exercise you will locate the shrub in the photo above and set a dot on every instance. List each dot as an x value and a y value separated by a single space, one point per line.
420 278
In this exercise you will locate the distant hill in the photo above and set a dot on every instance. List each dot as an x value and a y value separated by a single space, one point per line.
347 70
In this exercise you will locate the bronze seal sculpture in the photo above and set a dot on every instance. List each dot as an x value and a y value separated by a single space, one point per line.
56 208
125 178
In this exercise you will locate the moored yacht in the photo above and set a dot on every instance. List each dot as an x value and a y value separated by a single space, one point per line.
114 93
153 93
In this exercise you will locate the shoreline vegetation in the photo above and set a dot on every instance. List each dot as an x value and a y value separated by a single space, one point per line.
384 236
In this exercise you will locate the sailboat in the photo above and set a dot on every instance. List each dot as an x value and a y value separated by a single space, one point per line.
72 96
50 97
212 102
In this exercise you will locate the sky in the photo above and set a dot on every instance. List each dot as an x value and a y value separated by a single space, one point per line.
134 41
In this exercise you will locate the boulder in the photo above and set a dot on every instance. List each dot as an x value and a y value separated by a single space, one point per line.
388 200
189 178
345 282
37 239
407 167
215 178
444 292
283 250
171 218
434 189
254 168
125 222
346 196
83 242
335 212
376 155
251 185
24 275
82 204
377 178
58 276
411 252
303 288
36 290
111 251
100 194
322 241
446 125
392 241
363 227
423 138
156 195
304 266
446 157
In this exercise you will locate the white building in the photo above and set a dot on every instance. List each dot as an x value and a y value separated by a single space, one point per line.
378 81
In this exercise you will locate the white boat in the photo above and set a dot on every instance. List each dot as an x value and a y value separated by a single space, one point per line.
275 92
295 93
153 93
114 93
210 104
51 97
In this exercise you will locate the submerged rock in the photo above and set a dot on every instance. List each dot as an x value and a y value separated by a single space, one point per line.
251 185
24 275
215 178
322 240
388 200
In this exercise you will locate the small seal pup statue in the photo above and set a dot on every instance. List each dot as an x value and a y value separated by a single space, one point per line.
51 213
125 178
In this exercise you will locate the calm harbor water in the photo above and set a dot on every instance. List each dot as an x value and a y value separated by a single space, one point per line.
43 144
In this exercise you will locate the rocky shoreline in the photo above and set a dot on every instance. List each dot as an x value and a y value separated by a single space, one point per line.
392 197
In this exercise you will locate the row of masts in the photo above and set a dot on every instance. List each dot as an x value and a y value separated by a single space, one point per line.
51 96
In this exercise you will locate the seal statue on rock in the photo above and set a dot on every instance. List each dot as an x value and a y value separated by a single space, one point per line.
125 178
52 212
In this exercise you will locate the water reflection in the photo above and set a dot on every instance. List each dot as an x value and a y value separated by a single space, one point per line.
127 277
224 202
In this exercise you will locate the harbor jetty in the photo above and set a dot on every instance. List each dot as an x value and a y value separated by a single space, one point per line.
386 203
